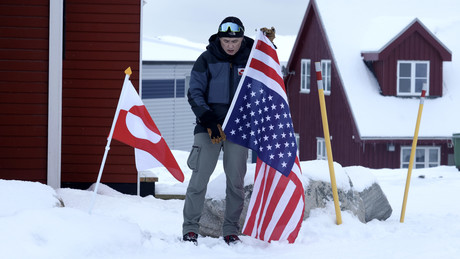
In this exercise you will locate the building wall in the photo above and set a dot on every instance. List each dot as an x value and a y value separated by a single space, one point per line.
102 39
168 105
24 89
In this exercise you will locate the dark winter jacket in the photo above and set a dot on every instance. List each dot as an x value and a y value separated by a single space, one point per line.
214 79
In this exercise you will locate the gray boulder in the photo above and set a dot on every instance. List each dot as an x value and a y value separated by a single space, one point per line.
369 204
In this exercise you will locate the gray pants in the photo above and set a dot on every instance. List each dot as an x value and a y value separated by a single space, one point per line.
202 160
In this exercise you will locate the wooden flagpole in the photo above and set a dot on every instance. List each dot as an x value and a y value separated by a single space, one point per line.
327 138
412 152
128 72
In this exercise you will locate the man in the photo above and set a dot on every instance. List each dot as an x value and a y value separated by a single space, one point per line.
213 82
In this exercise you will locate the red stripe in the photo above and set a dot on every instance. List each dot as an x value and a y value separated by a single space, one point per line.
423 93
286 216
267 70
274 201
267 49
253 213
266 189
319 76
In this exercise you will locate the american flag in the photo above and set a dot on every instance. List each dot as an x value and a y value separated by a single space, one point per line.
260 119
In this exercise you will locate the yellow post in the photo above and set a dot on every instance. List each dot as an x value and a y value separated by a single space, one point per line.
412 153
327 138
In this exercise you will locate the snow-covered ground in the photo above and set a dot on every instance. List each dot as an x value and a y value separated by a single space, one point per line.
127 226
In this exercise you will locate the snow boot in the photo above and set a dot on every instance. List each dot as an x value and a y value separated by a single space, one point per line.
191 237
232 239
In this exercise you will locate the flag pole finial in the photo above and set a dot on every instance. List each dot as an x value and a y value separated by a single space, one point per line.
128 71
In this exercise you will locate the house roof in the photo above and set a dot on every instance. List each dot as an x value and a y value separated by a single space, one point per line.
352 27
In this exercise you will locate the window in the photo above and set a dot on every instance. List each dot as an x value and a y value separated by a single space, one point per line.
411 77
424 157
326 71
321 149
305 75
163 88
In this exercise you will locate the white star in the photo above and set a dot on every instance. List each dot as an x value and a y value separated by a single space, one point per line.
233 132
256 122
266 138
286 144
280 126
277 116
265 109
261 91
274 136
248 105
259 111
289 154
271 127
267 118
280 155
277 145
244 136
252 133
285 115
283 135
255 142
241 108
248 125
252 113
269 147
273 107
257 102
261 149
240 128
282 106
253 94
244 116
270 97
237 120
272 157
249 85
284 164
263 99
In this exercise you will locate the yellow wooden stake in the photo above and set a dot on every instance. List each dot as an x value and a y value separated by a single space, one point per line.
327 138
412 153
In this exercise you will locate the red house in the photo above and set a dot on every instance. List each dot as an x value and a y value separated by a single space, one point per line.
375 58
61 65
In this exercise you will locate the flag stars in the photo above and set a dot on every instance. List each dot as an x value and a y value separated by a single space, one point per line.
267 118
237 120
271 127
274 136
261 149
286 144
266 138
273 107
257 102
252 113
269 147
233 132
277 116
249 86
261 91
284 164
272 157
248 105
244 136
265 109
252 133
270 97
280 155
283 135
241 109
285 115
253 94
277 145
263 99
282 106
248 125
289 154
280 126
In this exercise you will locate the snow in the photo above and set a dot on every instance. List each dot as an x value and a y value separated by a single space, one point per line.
128 226
359 25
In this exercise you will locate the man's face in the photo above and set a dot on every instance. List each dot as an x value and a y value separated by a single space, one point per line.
231 45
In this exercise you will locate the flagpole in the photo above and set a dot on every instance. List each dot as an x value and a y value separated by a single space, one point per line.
128 72
412 152
328 142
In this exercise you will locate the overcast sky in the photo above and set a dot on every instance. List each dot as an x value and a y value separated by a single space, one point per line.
198 19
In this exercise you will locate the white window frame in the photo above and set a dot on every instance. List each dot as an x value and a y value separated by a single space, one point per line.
413 77
305 76
421 164
326 67
321 153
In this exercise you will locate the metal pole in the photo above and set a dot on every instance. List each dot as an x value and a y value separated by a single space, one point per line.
327 138
412 152
128 72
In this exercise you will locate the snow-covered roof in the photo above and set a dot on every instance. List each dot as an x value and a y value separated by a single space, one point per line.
360 25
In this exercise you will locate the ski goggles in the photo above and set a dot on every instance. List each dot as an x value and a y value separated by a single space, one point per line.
233 27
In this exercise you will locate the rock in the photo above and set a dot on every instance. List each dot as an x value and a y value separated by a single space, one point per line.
369 204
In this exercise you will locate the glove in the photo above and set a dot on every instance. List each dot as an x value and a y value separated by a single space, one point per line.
270 33
209 121
216 134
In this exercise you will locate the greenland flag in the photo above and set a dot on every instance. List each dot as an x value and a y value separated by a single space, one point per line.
135 127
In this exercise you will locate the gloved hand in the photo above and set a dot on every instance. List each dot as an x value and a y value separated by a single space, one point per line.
270 33
209 121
